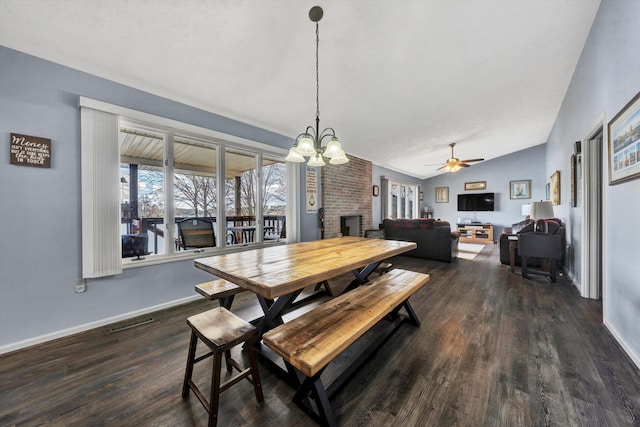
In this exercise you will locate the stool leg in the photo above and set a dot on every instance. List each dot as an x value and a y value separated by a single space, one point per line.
215 389
227 360
255 374
189 370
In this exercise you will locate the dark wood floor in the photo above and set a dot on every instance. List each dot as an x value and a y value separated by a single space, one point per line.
493 350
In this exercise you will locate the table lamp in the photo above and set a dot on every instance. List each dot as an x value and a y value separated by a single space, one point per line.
540 211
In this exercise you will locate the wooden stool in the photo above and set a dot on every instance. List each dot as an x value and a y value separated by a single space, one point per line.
221 290
220 330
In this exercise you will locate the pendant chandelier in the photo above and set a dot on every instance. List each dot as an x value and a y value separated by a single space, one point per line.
309 143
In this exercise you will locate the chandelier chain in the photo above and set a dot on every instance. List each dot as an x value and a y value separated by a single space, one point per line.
317 72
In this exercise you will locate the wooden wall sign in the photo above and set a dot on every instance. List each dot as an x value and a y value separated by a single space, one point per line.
30 151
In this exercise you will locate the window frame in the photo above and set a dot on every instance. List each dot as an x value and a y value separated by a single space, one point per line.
387 203
171 129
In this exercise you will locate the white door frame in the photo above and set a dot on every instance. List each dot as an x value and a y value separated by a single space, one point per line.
592 235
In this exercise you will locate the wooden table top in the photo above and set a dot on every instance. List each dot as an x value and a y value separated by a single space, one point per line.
279 270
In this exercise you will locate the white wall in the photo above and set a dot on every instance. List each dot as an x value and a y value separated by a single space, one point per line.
606 78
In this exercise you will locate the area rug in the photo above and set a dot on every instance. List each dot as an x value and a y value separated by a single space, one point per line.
469 250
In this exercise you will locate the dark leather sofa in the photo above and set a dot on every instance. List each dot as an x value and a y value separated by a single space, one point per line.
434 238
555 226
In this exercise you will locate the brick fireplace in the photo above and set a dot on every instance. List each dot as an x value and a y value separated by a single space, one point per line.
346 192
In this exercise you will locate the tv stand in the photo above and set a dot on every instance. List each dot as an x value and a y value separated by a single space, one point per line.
476 233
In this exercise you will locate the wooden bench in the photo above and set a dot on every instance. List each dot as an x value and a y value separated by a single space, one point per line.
310 342
221 290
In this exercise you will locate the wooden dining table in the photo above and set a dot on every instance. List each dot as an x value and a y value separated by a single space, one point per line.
278 274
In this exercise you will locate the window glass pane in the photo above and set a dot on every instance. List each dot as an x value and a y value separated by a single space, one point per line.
394 201
410 203
274 199
142 193
195 193
403 195
240 196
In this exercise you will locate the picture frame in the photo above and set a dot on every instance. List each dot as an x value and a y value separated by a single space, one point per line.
574 200
442 194
554 184
548 192
421 195
520 189
475 185
624 143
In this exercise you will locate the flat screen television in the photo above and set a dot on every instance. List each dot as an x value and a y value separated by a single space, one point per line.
476 202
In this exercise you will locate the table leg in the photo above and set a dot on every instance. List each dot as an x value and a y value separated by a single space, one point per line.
513 245
361 276
273 311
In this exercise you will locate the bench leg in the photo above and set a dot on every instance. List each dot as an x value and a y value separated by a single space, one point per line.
313 388
412 314
226 302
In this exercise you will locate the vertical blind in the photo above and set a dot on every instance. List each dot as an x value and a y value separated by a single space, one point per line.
101 253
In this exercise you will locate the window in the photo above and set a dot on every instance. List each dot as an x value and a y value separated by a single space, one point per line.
399 199
182 190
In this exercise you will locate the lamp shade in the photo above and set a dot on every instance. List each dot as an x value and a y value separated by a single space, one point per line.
334 148
306 146
316 161
541 210
339 159
294 157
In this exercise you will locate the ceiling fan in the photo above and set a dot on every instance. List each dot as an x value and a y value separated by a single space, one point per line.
454 164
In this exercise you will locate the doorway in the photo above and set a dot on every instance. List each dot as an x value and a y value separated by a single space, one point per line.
591 262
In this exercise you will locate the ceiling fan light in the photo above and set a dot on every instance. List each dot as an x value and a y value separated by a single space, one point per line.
333 148
306 146
294 157
316 161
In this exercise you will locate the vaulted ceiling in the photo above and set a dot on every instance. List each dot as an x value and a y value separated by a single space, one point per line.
399 79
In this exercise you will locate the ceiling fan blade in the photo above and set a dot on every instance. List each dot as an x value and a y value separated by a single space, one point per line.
443 166
471 160
464 165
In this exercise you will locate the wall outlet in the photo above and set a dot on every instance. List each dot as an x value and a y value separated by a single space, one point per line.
81 286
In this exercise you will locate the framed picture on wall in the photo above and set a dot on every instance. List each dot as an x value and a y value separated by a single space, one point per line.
554 183
548 191
442 194
520 189
476 185
624 143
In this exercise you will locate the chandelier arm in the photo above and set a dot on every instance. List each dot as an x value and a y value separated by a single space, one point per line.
324 135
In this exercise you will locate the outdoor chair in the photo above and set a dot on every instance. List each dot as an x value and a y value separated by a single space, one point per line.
196 233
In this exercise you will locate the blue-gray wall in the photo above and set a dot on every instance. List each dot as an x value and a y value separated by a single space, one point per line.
525 164
377 172
40 221
606 78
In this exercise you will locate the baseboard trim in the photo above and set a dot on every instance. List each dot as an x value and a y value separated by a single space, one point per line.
92 325
633 356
